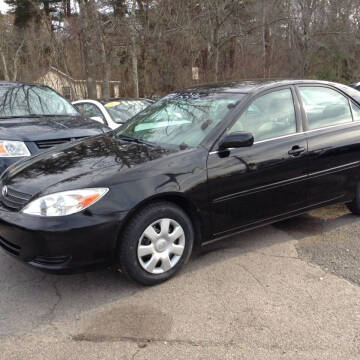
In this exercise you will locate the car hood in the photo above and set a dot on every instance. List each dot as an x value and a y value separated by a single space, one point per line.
83 163
47 128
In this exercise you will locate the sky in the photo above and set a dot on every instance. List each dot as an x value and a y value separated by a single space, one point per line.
3 6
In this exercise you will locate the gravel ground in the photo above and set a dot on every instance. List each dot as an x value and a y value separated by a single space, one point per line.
328 238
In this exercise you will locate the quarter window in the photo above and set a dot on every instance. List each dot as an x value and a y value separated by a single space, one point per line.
324 107
356 111
269 116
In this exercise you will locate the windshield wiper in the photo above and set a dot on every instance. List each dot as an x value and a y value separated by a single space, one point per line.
19 116
49 115
32 116
135 140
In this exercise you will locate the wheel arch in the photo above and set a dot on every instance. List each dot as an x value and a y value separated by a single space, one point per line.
178 199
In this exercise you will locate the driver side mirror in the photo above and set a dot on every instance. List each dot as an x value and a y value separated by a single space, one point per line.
236 140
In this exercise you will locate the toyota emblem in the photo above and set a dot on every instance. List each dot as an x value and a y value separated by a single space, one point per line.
4 191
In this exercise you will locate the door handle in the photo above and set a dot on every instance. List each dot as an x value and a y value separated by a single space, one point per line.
296 150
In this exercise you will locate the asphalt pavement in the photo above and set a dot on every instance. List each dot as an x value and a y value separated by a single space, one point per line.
286 291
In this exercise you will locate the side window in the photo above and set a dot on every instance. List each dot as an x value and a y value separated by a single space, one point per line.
324 107
356 111
269 116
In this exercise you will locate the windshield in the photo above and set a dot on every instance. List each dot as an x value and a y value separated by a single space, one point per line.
122 110
29 100
180 119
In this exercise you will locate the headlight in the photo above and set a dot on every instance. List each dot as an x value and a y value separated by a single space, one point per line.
64 203
13 149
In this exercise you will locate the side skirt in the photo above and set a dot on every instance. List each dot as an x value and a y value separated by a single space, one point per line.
268 221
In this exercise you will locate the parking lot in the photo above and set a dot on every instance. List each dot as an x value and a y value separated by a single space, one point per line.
284 291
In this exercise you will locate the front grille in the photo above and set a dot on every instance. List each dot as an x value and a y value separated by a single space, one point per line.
46 144
10 247
14 200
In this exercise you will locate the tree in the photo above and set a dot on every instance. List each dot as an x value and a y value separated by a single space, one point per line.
27 10
152 45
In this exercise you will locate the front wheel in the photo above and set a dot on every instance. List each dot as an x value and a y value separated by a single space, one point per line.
156 243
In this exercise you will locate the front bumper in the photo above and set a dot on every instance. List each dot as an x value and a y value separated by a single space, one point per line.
60 244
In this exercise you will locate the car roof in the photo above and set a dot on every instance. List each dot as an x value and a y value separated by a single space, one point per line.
251 86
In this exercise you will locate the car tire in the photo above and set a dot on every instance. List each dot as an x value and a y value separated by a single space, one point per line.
156 243
354 206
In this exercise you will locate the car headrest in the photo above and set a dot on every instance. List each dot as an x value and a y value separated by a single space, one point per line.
331 111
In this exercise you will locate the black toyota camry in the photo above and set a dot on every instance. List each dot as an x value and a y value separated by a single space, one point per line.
197 166
34 117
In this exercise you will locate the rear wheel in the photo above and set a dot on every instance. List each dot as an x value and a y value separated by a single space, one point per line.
354 206
156 243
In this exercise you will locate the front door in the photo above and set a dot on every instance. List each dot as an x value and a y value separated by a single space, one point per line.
252 184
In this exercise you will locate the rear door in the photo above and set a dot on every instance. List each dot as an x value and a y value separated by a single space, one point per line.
256 183
333 141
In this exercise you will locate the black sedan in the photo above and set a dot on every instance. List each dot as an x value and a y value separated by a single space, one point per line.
34 117
197 166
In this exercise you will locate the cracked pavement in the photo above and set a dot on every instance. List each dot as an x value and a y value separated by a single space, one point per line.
289 291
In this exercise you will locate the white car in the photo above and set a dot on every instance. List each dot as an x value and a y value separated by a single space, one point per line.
112 112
